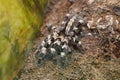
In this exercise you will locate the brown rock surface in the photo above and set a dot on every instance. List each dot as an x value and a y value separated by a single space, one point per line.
99 62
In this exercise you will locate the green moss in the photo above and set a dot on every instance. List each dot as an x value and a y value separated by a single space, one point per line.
20 21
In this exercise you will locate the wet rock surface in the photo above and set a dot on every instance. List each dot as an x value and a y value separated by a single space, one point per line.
80 41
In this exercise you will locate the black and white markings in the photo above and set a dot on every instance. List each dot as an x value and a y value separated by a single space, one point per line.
49 27
69 25
63 40
64 23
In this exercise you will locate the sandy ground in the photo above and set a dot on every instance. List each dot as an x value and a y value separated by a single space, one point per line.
94 65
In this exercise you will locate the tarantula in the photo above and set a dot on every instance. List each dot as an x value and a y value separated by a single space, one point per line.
66 39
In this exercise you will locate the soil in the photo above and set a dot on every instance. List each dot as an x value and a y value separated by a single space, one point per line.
94 65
